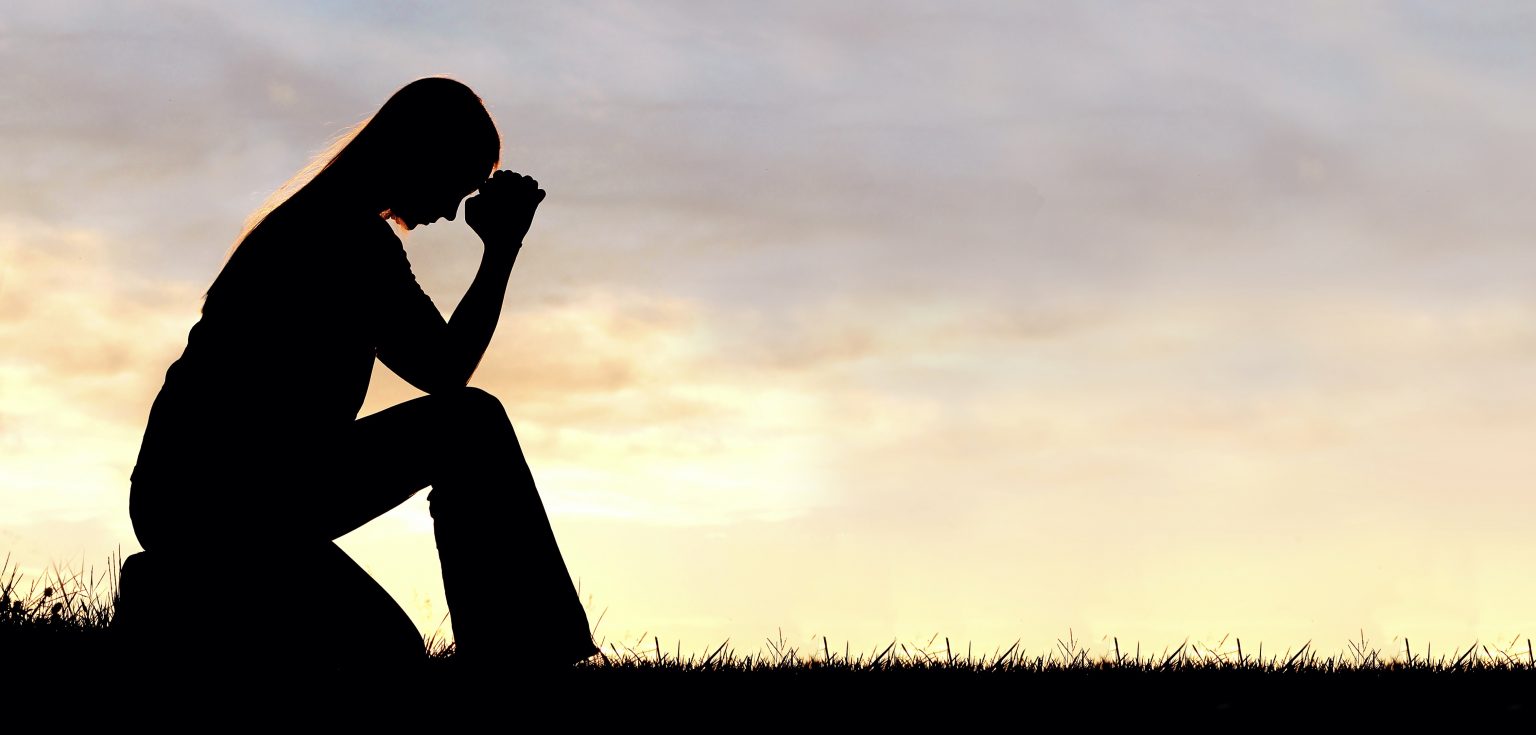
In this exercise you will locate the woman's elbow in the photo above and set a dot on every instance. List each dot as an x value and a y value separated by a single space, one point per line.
446 376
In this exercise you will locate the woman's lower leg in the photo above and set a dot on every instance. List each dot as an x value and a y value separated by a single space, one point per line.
509 592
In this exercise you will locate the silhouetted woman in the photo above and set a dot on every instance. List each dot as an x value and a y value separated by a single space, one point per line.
254 460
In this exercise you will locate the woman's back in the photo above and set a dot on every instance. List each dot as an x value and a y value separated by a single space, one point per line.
282 355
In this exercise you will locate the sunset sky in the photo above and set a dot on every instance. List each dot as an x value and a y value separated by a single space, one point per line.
870 321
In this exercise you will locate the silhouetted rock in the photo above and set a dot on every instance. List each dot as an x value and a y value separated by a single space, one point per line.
240 610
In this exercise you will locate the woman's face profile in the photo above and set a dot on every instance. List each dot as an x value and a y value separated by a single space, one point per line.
430 195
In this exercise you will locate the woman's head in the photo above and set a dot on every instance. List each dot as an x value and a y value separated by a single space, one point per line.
428 147
432 141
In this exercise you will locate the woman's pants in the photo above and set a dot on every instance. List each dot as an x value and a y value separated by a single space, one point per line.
509 594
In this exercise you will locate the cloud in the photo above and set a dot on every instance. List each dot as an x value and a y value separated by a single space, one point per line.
86 348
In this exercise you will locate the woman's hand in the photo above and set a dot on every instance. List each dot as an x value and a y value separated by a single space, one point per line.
503 210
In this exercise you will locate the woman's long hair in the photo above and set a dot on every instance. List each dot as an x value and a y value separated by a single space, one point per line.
434 126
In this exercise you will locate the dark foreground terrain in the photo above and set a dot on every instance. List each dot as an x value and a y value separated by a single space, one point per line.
59 653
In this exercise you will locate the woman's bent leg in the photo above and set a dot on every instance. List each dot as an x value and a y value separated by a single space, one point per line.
509 592
508 589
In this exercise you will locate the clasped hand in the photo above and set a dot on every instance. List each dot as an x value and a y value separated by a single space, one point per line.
503 209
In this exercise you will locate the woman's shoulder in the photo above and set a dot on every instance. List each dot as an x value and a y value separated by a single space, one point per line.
302 241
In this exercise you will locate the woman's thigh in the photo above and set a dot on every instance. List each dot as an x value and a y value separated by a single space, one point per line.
376 464
315 485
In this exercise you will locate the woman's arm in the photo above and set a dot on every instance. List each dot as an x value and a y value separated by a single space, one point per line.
474 321
436 356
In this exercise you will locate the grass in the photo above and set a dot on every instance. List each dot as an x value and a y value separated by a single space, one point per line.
60 622
61 613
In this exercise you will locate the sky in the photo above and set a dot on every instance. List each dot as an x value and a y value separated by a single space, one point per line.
868 320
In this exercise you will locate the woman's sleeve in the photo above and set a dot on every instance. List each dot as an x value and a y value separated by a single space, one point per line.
413 337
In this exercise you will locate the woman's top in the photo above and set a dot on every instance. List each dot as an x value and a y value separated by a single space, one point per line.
281 358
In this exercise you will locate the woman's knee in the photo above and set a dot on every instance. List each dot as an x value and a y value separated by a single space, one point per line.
472 427
470 405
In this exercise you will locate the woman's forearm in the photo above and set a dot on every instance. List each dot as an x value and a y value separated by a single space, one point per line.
500 214
474 320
